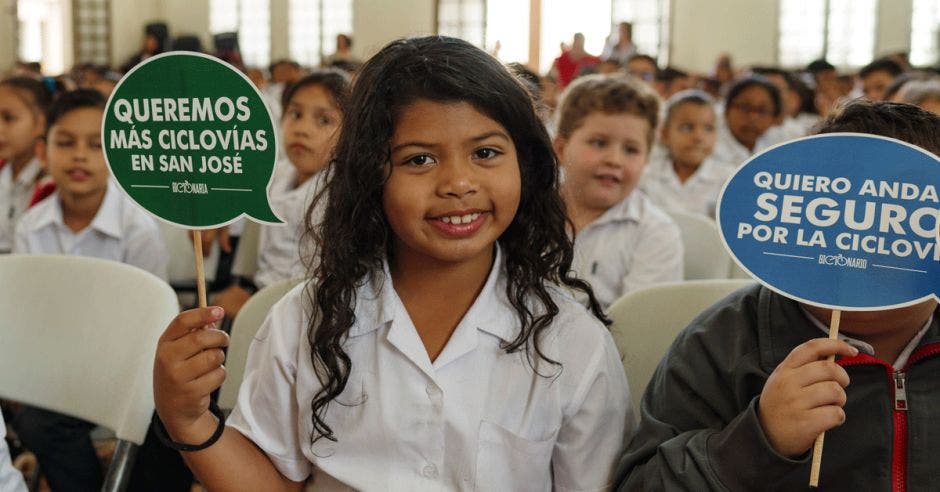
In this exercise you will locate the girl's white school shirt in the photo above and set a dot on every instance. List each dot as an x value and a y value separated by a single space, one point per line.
282 254
632 245
121 231
699 193
14 199
477 418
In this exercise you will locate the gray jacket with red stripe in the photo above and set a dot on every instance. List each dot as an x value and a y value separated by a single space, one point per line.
699 427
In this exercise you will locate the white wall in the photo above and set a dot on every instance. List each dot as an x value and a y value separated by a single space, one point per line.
893 33
7 36
376 22
747 29
128 19
127 26
700 29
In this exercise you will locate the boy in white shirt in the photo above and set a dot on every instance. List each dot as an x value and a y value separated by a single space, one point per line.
622 241
86 216
686 177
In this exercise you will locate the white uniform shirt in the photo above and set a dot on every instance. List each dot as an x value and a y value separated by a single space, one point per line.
632 245
699 193
279 246
731 152
120 231
476 418
11 480
14 199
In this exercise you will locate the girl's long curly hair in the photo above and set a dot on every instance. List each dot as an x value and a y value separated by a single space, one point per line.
354 235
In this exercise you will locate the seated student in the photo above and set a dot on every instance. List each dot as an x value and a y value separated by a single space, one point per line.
799 108
313 113
742 394
752 106
434 348
924 94
877 76
86 216
23 105
622 241
687 178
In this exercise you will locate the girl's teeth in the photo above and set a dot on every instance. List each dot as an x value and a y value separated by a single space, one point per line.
460 219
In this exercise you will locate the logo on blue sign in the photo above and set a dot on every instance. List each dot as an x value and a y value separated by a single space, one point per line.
842 220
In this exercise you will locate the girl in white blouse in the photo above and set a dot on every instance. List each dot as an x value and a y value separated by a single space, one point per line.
436 346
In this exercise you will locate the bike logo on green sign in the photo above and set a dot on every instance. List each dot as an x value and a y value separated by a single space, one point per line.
189 139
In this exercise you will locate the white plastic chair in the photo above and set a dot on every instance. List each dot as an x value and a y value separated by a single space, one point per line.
182 267
705 256
646 321
245 263
78 336
246 324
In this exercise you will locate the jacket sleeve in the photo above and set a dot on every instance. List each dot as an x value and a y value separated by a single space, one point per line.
699 428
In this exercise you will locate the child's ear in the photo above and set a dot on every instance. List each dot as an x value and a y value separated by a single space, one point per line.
40 150
663 135
558 144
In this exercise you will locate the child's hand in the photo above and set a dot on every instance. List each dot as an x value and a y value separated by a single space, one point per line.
804 396
187 368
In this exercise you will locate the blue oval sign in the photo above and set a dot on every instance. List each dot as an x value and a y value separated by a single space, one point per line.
841 220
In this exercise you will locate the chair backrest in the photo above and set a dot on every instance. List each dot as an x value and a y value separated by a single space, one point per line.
705 256
245 263
182 267
646 321
244 327
78 336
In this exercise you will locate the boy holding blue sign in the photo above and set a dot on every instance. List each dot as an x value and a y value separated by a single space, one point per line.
744 391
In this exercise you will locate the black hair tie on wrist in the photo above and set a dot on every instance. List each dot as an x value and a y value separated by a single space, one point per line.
162 435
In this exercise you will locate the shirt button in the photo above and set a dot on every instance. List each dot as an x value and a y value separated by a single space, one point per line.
429 471
432 391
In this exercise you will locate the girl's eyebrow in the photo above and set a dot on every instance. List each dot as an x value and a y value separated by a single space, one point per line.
478 138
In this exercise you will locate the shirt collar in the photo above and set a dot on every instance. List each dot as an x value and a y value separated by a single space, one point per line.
26 177
107 220
378 304
865 347
628 209
29 173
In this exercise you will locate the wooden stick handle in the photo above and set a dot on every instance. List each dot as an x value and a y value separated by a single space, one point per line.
818 445
200 271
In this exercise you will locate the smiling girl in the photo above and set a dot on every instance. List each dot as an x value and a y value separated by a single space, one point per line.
436 346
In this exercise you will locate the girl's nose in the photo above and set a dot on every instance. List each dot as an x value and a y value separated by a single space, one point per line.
456 180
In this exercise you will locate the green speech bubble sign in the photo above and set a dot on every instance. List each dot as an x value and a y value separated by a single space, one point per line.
189 139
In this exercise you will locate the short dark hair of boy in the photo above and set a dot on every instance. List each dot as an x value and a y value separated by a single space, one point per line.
889 66
670 74
610 94
335 81
899 121
742 84
820 65
688 96
528 78
282 61
70 101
